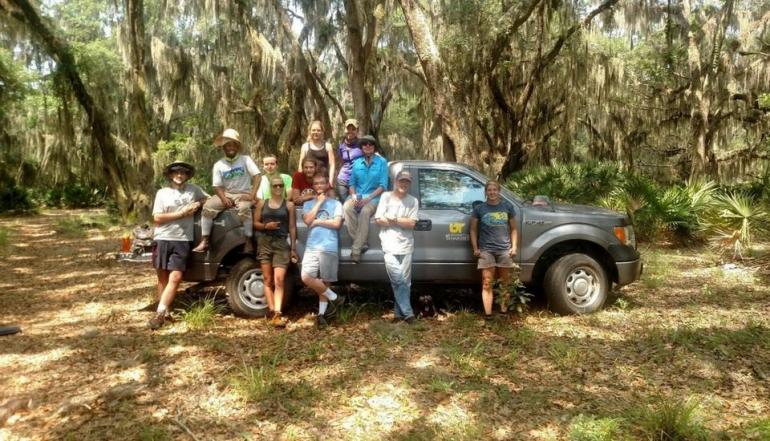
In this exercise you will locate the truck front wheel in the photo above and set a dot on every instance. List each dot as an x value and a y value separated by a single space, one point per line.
576 284
245 290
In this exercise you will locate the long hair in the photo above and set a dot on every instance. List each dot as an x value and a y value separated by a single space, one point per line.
310 127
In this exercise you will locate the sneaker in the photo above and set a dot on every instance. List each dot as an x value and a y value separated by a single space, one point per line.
334 305
355 257
365 248
320 322
278 321
411 320
157 321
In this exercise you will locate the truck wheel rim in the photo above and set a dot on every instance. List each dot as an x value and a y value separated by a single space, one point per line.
582 286
251 290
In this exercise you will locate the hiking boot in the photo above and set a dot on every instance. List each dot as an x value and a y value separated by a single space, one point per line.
334 305
202 247
364 248
320 322
355 257
411 320
157 321
278 321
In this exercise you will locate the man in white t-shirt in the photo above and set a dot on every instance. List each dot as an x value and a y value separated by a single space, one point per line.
235 179
172 212
397 215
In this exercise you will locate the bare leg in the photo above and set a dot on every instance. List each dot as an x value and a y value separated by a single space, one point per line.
279 275
487 280
169 292
162 281
317 285
269 283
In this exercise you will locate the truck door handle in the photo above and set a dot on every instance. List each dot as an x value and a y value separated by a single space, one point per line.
423 225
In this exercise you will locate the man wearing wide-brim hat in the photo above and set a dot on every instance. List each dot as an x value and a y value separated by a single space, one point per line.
173 212
235 178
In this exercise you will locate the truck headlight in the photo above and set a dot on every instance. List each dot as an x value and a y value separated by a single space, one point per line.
626 235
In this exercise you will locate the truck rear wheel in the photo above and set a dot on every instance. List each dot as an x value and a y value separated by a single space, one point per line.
245 290
576 284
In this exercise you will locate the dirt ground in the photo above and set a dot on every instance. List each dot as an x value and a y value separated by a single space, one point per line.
86 366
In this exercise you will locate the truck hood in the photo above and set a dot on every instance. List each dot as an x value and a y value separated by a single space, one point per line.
586 209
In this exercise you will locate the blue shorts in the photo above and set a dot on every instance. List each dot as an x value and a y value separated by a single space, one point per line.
170 255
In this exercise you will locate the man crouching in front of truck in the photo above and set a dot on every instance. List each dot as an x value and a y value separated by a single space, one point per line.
494 242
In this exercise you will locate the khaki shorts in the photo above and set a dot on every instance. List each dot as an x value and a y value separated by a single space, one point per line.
274 250
320 264
495 259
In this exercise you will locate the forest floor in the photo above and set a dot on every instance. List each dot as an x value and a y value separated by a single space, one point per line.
689 343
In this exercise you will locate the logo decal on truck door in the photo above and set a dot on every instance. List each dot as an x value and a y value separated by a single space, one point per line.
456 232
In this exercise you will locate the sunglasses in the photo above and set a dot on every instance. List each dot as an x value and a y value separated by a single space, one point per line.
366 143
277 185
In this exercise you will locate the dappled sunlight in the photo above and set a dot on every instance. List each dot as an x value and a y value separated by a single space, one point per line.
87 353
377 408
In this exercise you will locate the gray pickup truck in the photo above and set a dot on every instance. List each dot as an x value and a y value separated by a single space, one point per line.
572 253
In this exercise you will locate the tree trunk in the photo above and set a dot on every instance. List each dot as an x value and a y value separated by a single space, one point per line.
115 173
457 145
359 48
138 138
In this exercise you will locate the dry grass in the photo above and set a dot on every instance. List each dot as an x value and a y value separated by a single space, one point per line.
694 333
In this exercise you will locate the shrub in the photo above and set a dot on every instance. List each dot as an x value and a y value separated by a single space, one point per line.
587 428
736 219
14 198
201 314
673 421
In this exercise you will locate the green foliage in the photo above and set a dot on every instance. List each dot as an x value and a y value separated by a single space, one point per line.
589 428
76 226
15 199
71 196
510 295
201 314
673 420
577 183
738 217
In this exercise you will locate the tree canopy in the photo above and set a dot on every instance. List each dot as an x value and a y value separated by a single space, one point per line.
101 94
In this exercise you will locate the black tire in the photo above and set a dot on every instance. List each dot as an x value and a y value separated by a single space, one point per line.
576 284
245 291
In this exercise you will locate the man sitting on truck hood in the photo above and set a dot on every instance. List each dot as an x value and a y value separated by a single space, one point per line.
369 178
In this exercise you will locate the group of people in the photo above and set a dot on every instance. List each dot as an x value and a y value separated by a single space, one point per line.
265 201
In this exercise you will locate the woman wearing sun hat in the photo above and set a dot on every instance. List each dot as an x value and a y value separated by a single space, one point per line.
235 178
172 212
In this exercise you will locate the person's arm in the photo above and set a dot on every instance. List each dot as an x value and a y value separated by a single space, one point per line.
379 213
377 191
255 186
162 218
514 236
409 221
302 153
309 216
332 163
475 236
292 231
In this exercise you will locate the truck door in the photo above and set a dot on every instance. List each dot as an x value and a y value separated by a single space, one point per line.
442 236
